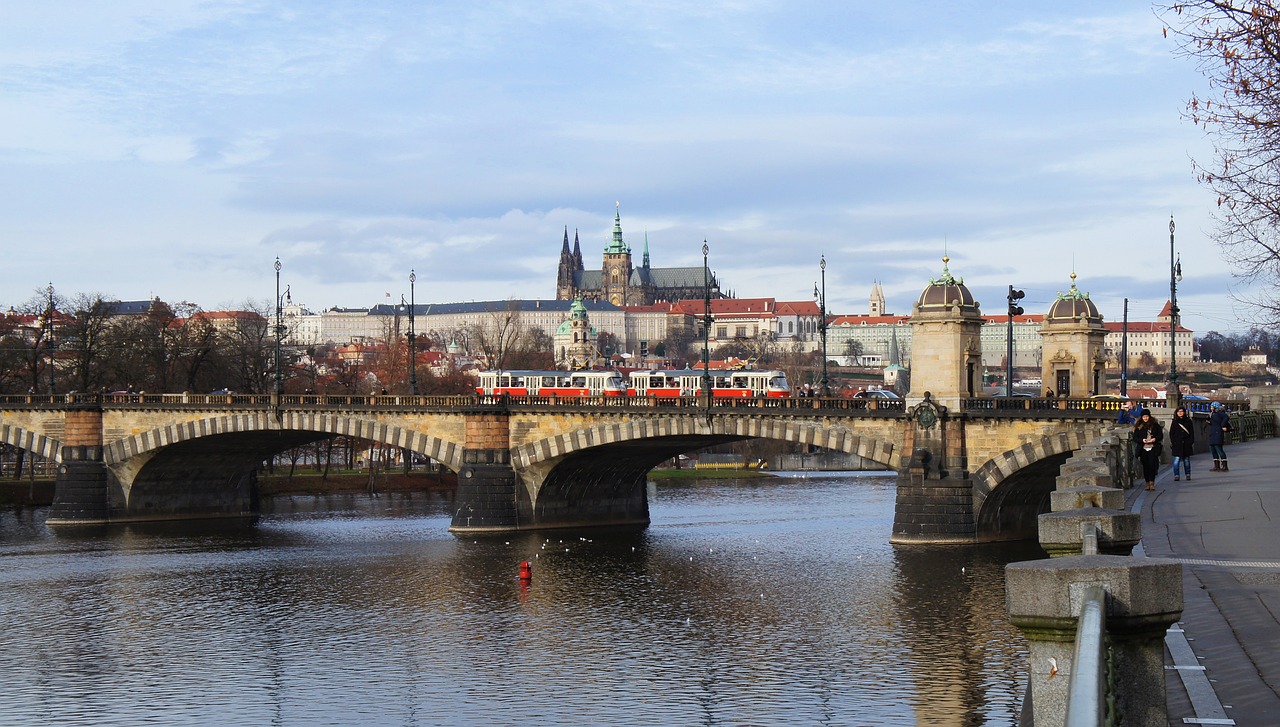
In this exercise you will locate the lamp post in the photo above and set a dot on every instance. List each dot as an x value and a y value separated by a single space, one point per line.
821 298
706 330
1173 395
1014 310
413 349
48 321
279 333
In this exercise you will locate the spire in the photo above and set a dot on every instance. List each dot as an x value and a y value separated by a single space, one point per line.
564 249
577 252
645 263
617 245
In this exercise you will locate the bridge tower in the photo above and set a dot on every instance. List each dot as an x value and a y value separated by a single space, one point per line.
946 342
1072 338
934 498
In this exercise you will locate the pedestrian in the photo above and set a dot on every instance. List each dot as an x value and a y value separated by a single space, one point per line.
1182 436
1219 425
1148 439
1129 413
1048 393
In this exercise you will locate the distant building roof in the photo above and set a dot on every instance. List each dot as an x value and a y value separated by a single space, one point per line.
492 306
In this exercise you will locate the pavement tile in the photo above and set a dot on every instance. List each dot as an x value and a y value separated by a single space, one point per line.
1225 527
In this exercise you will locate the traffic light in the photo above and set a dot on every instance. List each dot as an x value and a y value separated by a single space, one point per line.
1014 308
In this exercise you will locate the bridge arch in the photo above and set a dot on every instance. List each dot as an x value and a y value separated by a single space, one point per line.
675 431
34 442
1012 489
446 452
602 469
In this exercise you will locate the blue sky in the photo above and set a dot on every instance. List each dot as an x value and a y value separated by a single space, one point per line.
174 148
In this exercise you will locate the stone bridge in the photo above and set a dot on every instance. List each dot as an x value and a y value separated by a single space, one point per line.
979 471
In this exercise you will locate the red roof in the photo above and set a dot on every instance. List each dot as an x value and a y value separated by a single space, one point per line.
868 320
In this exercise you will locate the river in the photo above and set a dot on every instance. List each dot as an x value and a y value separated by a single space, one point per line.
773 601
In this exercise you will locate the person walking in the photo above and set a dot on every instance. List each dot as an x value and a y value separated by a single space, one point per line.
1219 425
1182 437
1148 438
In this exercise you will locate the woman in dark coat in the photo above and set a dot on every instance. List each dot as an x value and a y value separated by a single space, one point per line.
1148 438
1182 435
1219 425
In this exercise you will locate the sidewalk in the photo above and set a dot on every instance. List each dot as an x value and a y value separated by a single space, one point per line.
1225 528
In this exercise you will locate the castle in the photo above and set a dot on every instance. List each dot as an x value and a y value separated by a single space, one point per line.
621 283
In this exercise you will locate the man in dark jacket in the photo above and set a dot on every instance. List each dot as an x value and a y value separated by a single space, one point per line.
1219 425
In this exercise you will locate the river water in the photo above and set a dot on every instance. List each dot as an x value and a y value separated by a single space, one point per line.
757 602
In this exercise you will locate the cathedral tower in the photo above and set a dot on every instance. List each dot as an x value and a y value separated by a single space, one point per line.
616 272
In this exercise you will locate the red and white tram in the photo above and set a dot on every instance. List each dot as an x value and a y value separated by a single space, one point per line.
724 383
552 383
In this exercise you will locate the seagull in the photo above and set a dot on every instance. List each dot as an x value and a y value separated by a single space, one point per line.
1053 667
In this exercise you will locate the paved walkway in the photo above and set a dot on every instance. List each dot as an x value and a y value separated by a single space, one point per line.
1225 528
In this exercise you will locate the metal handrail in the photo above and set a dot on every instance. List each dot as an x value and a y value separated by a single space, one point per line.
1089 701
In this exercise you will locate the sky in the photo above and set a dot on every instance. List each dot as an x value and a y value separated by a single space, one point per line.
176 148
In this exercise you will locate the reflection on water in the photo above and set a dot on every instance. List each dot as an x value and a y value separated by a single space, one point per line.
774 601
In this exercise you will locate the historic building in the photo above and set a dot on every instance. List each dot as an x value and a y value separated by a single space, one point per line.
575 340
620 282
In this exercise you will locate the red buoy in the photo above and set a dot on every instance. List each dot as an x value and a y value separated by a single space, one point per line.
526 571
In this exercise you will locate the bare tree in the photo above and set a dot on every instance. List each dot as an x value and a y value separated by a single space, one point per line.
83 341
497 336
1235 45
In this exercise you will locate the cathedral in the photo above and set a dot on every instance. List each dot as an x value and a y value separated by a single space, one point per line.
620 282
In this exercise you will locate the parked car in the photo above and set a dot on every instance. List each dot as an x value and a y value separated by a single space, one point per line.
876 394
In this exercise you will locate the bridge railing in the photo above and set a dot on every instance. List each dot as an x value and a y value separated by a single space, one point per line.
406 401
1091 697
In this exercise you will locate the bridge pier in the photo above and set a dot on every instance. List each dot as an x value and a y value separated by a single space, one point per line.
80 490
935 495
488 489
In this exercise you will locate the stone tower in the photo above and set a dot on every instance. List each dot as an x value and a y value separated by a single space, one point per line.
1072 338
615 275
946 342
565 279
876 307
575 339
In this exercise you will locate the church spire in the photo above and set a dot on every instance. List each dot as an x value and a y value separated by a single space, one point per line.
617 245
645 262
577 253
564 249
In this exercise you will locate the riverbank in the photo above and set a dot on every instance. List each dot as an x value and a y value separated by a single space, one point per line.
26 493
39 492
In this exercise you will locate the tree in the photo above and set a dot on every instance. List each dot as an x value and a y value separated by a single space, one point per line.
83 343
1234 45
853 349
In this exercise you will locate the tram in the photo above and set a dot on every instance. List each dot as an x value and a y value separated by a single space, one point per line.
724 383
552 383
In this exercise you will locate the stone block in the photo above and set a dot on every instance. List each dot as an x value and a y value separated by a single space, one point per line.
1061 532
1144 596
1087 496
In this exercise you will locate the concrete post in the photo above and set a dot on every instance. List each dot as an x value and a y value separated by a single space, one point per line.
1144 596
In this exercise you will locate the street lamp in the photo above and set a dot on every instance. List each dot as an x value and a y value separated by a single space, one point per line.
279 332
821 298
1014 310
48 321
413 349
706 329
1173 395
